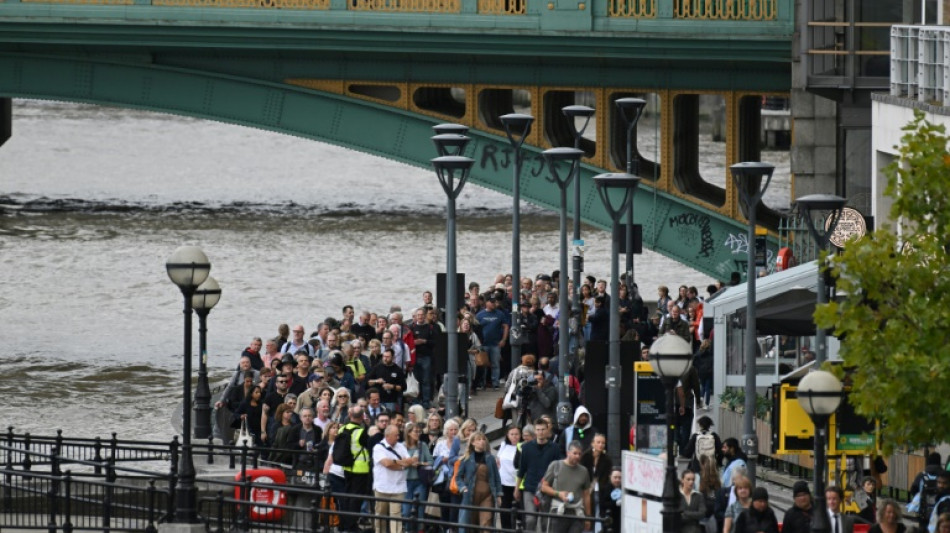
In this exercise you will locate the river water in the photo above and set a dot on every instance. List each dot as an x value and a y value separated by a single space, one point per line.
93 200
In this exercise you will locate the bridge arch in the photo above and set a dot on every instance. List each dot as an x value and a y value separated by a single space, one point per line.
673 226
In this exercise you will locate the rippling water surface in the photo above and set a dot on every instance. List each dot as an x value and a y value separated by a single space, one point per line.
93 200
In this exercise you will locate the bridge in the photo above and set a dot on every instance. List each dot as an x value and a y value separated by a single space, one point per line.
375 75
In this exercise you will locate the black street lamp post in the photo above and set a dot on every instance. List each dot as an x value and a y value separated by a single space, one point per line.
747 178
188 267
809 205
206 296
625 184
819 394
517 128
452 171
553 157
670 357
573 113
630 111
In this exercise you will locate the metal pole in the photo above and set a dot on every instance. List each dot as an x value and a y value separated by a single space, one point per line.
552 157
563 405
451 311
613 371
671 496
186 511
573 314
517 128
445 167
753 172
202 390
626 183
635 106
820 522
834 204
749 437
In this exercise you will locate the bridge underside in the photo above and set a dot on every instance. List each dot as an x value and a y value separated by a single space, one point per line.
385 104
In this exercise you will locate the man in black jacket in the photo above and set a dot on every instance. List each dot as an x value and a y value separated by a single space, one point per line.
798 518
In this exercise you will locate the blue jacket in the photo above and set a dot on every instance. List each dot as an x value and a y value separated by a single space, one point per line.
534 463
466 477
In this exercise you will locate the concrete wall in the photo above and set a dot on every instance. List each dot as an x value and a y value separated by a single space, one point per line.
814 129
888 115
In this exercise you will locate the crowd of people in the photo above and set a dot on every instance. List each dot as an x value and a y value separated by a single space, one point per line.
364 398
377 380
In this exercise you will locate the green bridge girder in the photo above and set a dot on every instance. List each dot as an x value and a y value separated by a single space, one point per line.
673 227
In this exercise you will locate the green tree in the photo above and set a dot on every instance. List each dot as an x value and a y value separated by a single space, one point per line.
895 321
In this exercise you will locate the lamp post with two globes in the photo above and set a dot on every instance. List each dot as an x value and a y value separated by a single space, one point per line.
452 171
188 267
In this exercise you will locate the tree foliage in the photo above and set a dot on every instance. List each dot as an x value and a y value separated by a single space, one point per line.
895 320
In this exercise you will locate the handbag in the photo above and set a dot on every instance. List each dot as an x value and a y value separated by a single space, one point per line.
500 409
244 437
481 359
441 479
412 386
426 474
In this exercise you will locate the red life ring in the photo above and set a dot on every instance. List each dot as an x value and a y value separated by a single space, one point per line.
784 260
267 497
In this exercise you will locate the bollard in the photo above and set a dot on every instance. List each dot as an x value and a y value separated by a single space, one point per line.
110 494
59 441
150 528
172 475
210 450
114 446
246 508
220 512
27 461
68 511
51 494
97 458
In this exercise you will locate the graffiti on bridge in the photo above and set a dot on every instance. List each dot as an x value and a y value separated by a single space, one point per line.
695 221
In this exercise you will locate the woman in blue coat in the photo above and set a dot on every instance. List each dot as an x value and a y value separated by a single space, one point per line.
479 483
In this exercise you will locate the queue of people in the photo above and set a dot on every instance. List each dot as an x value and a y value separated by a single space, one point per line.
363 396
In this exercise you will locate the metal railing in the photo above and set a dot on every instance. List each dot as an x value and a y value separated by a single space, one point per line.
47 485
920 57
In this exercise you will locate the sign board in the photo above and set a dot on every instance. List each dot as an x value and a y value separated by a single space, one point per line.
650 410
643 473
641 506
851 434
641 515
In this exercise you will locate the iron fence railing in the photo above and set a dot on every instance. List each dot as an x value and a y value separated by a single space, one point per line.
48 483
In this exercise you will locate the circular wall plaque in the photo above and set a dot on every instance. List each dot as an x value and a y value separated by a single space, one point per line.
850 225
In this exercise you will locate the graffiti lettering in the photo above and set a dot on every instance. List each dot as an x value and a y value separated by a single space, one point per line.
489 156
739 244
705 230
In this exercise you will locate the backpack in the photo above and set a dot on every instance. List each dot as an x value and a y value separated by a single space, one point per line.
342 450
705 445
453 483
923 500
